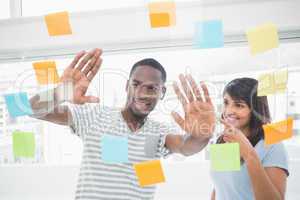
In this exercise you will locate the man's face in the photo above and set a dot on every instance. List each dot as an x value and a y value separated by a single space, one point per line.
144 88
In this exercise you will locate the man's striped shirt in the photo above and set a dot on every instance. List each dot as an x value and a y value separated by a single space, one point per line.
101 180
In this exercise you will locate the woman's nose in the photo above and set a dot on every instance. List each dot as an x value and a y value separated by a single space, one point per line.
229 110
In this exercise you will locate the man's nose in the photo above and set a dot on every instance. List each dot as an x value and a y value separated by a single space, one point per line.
143 92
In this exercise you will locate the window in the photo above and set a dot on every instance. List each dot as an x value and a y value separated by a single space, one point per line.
4 9
33 7
58 146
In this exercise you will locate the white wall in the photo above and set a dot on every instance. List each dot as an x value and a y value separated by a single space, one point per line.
188 181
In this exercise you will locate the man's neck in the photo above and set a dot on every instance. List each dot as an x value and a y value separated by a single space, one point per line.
134 122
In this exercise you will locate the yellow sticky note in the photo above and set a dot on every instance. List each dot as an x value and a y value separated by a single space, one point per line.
46 72
271 83
263 38
159 20
279 131
58 24
281 80
265 84
149 173
161 9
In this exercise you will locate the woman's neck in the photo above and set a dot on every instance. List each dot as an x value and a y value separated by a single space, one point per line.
246 131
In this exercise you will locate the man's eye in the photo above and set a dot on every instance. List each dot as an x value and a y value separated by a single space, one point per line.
154 89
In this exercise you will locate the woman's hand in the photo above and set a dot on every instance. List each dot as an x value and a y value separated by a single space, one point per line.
232 134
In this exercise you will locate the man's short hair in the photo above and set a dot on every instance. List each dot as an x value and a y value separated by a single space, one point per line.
151 63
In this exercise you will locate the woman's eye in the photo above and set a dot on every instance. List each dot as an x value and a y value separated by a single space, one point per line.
240 105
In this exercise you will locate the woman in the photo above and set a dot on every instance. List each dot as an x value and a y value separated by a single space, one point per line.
264 169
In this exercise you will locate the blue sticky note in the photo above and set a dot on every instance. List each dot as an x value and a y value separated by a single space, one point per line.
209 34
18 104
114 149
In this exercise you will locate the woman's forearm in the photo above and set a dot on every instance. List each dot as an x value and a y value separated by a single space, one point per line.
213 195
261 183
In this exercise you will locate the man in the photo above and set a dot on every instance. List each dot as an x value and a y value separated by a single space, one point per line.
145 87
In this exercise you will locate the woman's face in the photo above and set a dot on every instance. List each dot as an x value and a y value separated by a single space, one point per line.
236 112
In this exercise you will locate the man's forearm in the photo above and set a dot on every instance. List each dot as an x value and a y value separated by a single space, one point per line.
193 145
185 144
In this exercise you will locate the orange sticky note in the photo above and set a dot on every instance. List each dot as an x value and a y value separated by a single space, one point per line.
149 173
159 20
46 72
160 9
58 24
279 131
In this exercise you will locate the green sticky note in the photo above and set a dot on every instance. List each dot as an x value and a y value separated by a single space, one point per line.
23 144
225 157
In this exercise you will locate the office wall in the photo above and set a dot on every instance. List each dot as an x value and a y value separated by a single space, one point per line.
122 30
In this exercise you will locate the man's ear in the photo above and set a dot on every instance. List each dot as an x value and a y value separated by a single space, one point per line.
164 90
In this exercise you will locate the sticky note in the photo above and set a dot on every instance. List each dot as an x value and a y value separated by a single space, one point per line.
162 14
209 34
263 38
273 82
65 92
151 145
278 131
280 80
18 104
23 144
265 84
114 149
47 95
159 20
225 157
58 24
46 72
149 173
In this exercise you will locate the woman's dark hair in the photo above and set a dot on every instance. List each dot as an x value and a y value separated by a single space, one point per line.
245 89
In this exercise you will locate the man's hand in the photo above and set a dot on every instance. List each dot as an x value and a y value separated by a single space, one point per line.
199 115
80 73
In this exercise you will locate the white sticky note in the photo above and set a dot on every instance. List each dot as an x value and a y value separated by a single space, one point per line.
65 92
47 96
